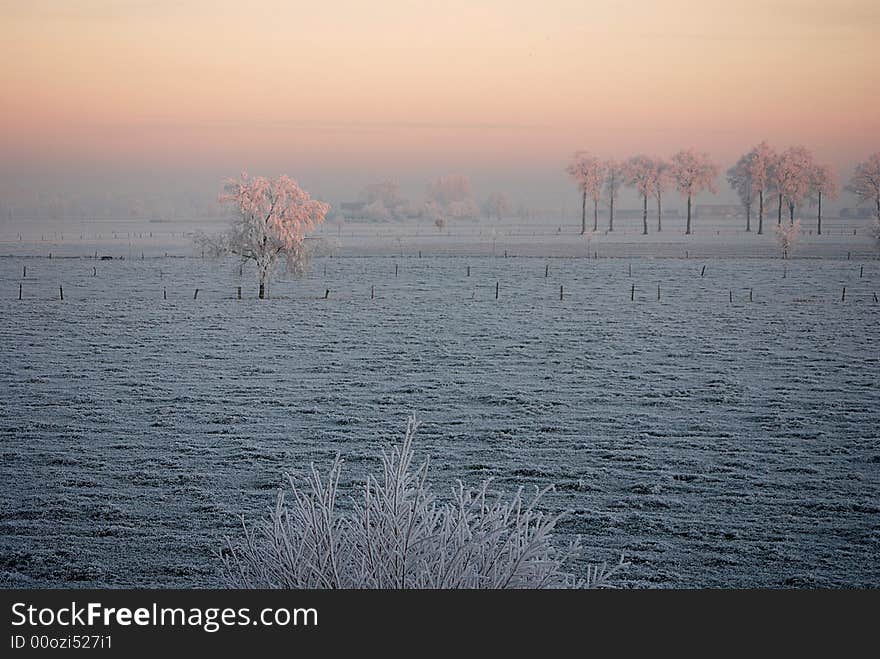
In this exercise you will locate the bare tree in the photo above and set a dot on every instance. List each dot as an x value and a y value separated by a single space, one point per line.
615 178
662 181
792 174
642 173
740 178
454 195
589 174
384 201
693 172
823 184
272 218
497 205
865 182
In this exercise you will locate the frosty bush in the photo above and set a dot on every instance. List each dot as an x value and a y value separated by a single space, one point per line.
875 234
400 536
786 235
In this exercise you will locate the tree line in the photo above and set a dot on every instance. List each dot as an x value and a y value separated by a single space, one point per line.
787 179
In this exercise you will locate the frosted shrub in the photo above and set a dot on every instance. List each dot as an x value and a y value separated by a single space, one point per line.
400 536
875 234
786 235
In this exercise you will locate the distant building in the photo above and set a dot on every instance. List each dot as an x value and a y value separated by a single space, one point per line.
731 211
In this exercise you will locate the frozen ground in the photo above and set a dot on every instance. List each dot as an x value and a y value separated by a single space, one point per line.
717 444
544 237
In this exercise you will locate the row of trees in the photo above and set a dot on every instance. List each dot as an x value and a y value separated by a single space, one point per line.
602 180
272 217
790 178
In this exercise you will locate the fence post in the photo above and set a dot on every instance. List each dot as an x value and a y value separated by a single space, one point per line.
61 291
19 292
560 291
164 293
238 293
496 289
632 293
843 295
196 294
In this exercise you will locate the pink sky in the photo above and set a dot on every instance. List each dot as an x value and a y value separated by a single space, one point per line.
397 86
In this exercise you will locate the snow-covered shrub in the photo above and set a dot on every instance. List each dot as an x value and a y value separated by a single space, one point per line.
401 536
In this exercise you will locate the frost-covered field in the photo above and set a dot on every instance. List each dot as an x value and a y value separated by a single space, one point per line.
716 444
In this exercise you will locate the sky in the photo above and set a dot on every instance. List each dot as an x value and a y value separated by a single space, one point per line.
342 93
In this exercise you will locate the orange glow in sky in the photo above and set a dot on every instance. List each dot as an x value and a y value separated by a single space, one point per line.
396 84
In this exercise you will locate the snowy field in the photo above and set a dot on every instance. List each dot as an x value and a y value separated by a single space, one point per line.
715 443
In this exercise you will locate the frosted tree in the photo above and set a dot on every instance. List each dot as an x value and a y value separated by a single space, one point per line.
740 178
272 218
692 173
762 158
792 174
497 205
823 185
865 183
661 183
384 195
642 173
377 211
615 178
786 235
588 172
453 194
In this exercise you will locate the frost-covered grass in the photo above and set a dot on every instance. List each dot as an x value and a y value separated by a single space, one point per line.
399 536
714 444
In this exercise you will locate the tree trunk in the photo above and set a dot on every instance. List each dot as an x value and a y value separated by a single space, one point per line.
645 216
779 211
819 217
748 218
760 212
595 214
611 215
263 278
584 214
791 212
687 230
659 215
